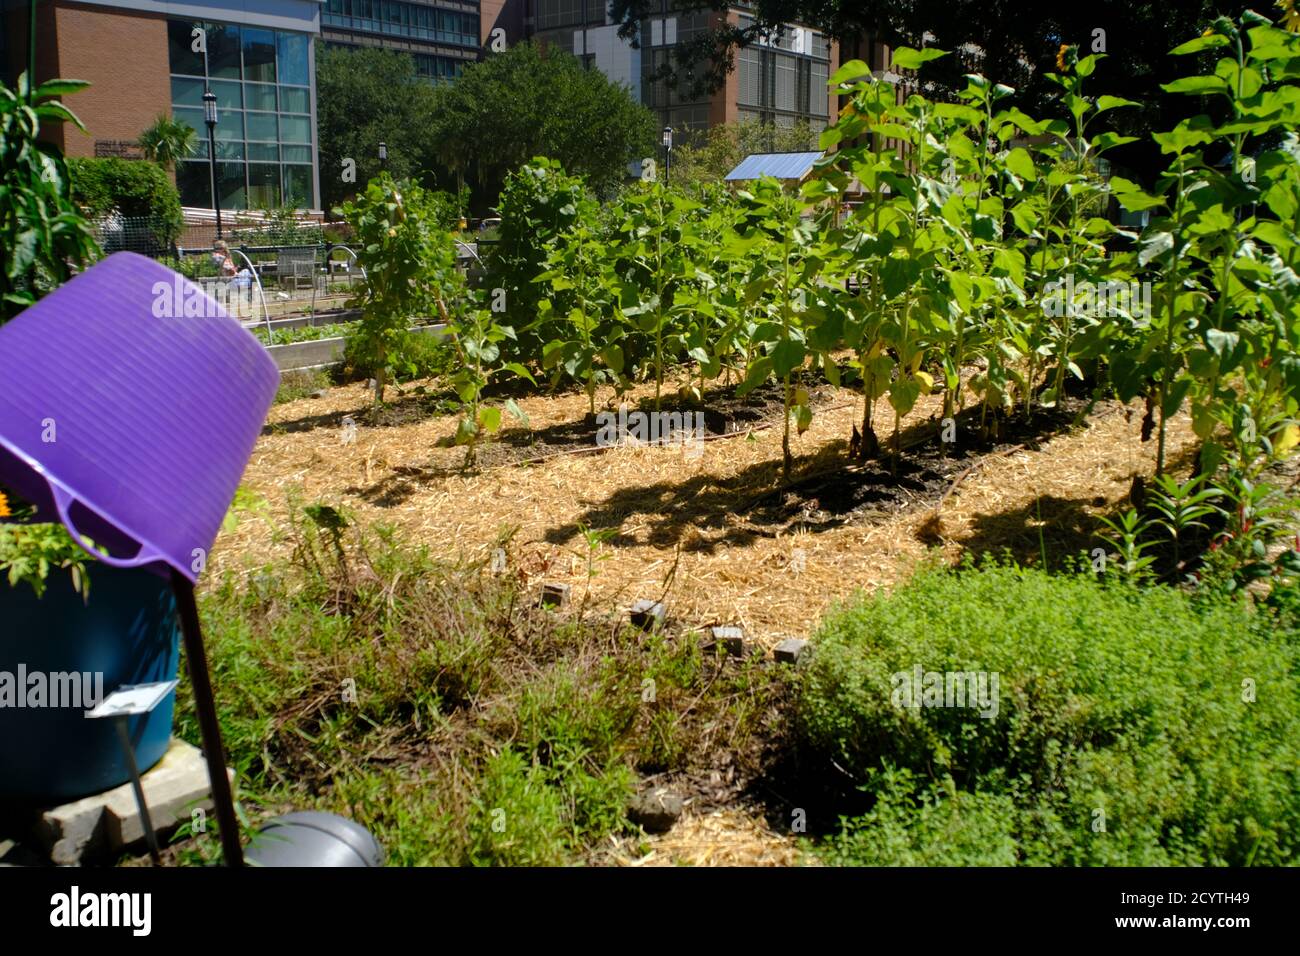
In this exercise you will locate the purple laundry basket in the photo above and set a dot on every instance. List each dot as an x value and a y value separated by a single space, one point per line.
129 406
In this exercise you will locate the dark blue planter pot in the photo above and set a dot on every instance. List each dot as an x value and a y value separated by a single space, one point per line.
128 632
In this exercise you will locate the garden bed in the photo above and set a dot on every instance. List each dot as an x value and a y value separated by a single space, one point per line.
718 536
734 532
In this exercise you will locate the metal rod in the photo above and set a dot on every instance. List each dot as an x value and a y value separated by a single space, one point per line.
212 173
196 659
136 785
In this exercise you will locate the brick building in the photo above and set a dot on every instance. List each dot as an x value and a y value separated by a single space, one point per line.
146 58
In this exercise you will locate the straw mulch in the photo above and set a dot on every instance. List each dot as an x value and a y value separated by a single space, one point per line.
675 514
677 521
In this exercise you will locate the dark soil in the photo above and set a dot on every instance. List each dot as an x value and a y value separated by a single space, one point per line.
921 475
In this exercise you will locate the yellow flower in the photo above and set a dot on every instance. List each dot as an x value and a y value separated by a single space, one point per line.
1209 31
1290 16
5 510
1060 56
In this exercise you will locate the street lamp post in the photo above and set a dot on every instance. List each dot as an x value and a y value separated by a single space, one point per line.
668 153
210 119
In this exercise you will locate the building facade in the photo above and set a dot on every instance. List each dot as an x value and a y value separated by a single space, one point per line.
146 58
781 80
441 36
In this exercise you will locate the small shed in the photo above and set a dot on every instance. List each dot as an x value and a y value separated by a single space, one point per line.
784 166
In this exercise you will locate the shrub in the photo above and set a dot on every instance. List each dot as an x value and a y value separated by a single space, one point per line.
132 188
1115 704
414 355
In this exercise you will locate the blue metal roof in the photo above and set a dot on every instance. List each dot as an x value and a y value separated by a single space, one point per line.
776 165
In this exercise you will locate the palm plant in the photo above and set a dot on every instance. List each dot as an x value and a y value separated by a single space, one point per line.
168 141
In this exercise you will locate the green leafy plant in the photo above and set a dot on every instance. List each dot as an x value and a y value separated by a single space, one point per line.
1127 531
410 265
167 141
29 552
43 237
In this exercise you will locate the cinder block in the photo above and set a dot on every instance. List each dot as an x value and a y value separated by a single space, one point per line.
555 595
648 615
729 637
790 650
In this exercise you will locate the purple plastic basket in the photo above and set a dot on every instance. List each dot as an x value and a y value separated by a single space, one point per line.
126 417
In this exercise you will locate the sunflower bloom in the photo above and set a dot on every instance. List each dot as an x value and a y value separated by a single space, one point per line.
5 510
1060 56
1290 16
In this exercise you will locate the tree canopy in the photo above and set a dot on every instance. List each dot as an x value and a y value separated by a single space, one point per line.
366 97
528 102
1008 42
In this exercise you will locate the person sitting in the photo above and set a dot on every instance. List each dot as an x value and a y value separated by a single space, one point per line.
226 268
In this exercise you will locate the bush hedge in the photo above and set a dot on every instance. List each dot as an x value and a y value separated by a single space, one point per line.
132 188
1134 727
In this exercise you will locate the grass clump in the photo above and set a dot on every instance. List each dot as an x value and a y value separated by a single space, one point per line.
1134 726
436 704
302 383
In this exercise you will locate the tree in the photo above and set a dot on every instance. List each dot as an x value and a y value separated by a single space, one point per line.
366 97
1011 43
708 158
530 102
168 141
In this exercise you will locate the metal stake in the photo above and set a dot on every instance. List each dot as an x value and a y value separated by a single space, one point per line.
196 659
125 737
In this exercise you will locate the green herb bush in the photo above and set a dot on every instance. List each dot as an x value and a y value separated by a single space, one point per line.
1134 727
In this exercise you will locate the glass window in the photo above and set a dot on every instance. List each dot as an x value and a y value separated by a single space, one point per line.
187 92
295 129
192 116
259 96
230 125
230 96
194 183
262 126
229 150
293 100
259 55
265 152
293 58
201 147
180 47
297 187
296 154
263 186
223 50
230 185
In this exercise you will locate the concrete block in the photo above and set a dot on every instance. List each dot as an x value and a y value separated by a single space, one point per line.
109 821
790 650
